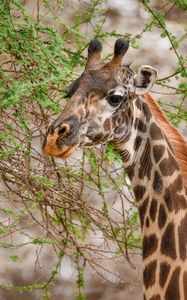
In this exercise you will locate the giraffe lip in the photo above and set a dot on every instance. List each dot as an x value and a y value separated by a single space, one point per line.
66 153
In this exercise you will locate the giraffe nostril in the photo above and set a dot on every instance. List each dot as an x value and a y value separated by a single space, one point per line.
64 129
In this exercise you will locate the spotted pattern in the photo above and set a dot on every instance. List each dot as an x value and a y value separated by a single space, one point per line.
158 152
145 162
139 192
157 182
162 216
153 209
143 210
182 233
168 246
149 274
164 272
155 132
168 166
172 291
149 244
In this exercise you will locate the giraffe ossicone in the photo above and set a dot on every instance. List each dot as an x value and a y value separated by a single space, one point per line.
108 103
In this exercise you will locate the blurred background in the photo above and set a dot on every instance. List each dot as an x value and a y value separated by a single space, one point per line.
70 229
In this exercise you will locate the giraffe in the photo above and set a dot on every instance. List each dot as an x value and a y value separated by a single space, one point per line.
109 102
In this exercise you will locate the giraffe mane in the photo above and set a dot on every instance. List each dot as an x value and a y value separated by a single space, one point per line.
178 143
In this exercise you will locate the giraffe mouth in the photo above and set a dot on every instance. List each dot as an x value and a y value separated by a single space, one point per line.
67 152
63 153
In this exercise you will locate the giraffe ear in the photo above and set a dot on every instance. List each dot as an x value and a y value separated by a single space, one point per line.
145 79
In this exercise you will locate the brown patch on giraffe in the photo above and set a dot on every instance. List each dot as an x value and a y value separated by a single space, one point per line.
158 152
168 165
138 124
164 272
145 161
153 209
182 233
130 171
185 284
149 244
147 222
149 274
171 197
155 131
172 291
139 191
142 211
162 216
155 297
129 113
157 182
138 103
106 124
168 246
178 183
147 112
137 143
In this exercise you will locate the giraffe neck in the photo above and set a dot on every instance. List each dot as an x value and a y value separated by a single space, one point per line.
162 203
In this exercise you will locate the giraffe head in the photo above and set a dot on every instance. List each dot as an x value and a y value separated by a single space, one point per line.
100 107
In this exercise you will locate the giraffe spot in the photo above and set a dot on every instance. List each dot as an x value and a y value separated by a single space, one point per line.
137 143
149 244
130 171
106 124
171 197
179 202
185 285
178 183
129 113
139 191
155 131
162 216
168 242
155 297
145 161
140 125
164 272
182 233
147 222
142 211
158 152
153 209
157 183
149 274
97 137
168 165
138 103
172 291
147 112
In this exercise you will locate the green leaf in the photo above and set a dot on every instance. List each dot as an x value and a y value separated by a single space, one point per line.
15 257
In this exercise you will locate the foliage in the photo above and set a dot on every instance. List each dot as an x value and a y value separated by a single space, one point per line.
50 204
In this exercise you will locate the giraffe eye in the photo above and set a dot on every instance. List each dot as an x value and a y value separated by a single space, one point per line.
115 100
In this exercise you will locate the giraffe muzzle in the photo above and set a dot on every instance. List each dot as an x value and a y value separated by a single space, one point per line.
59 141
